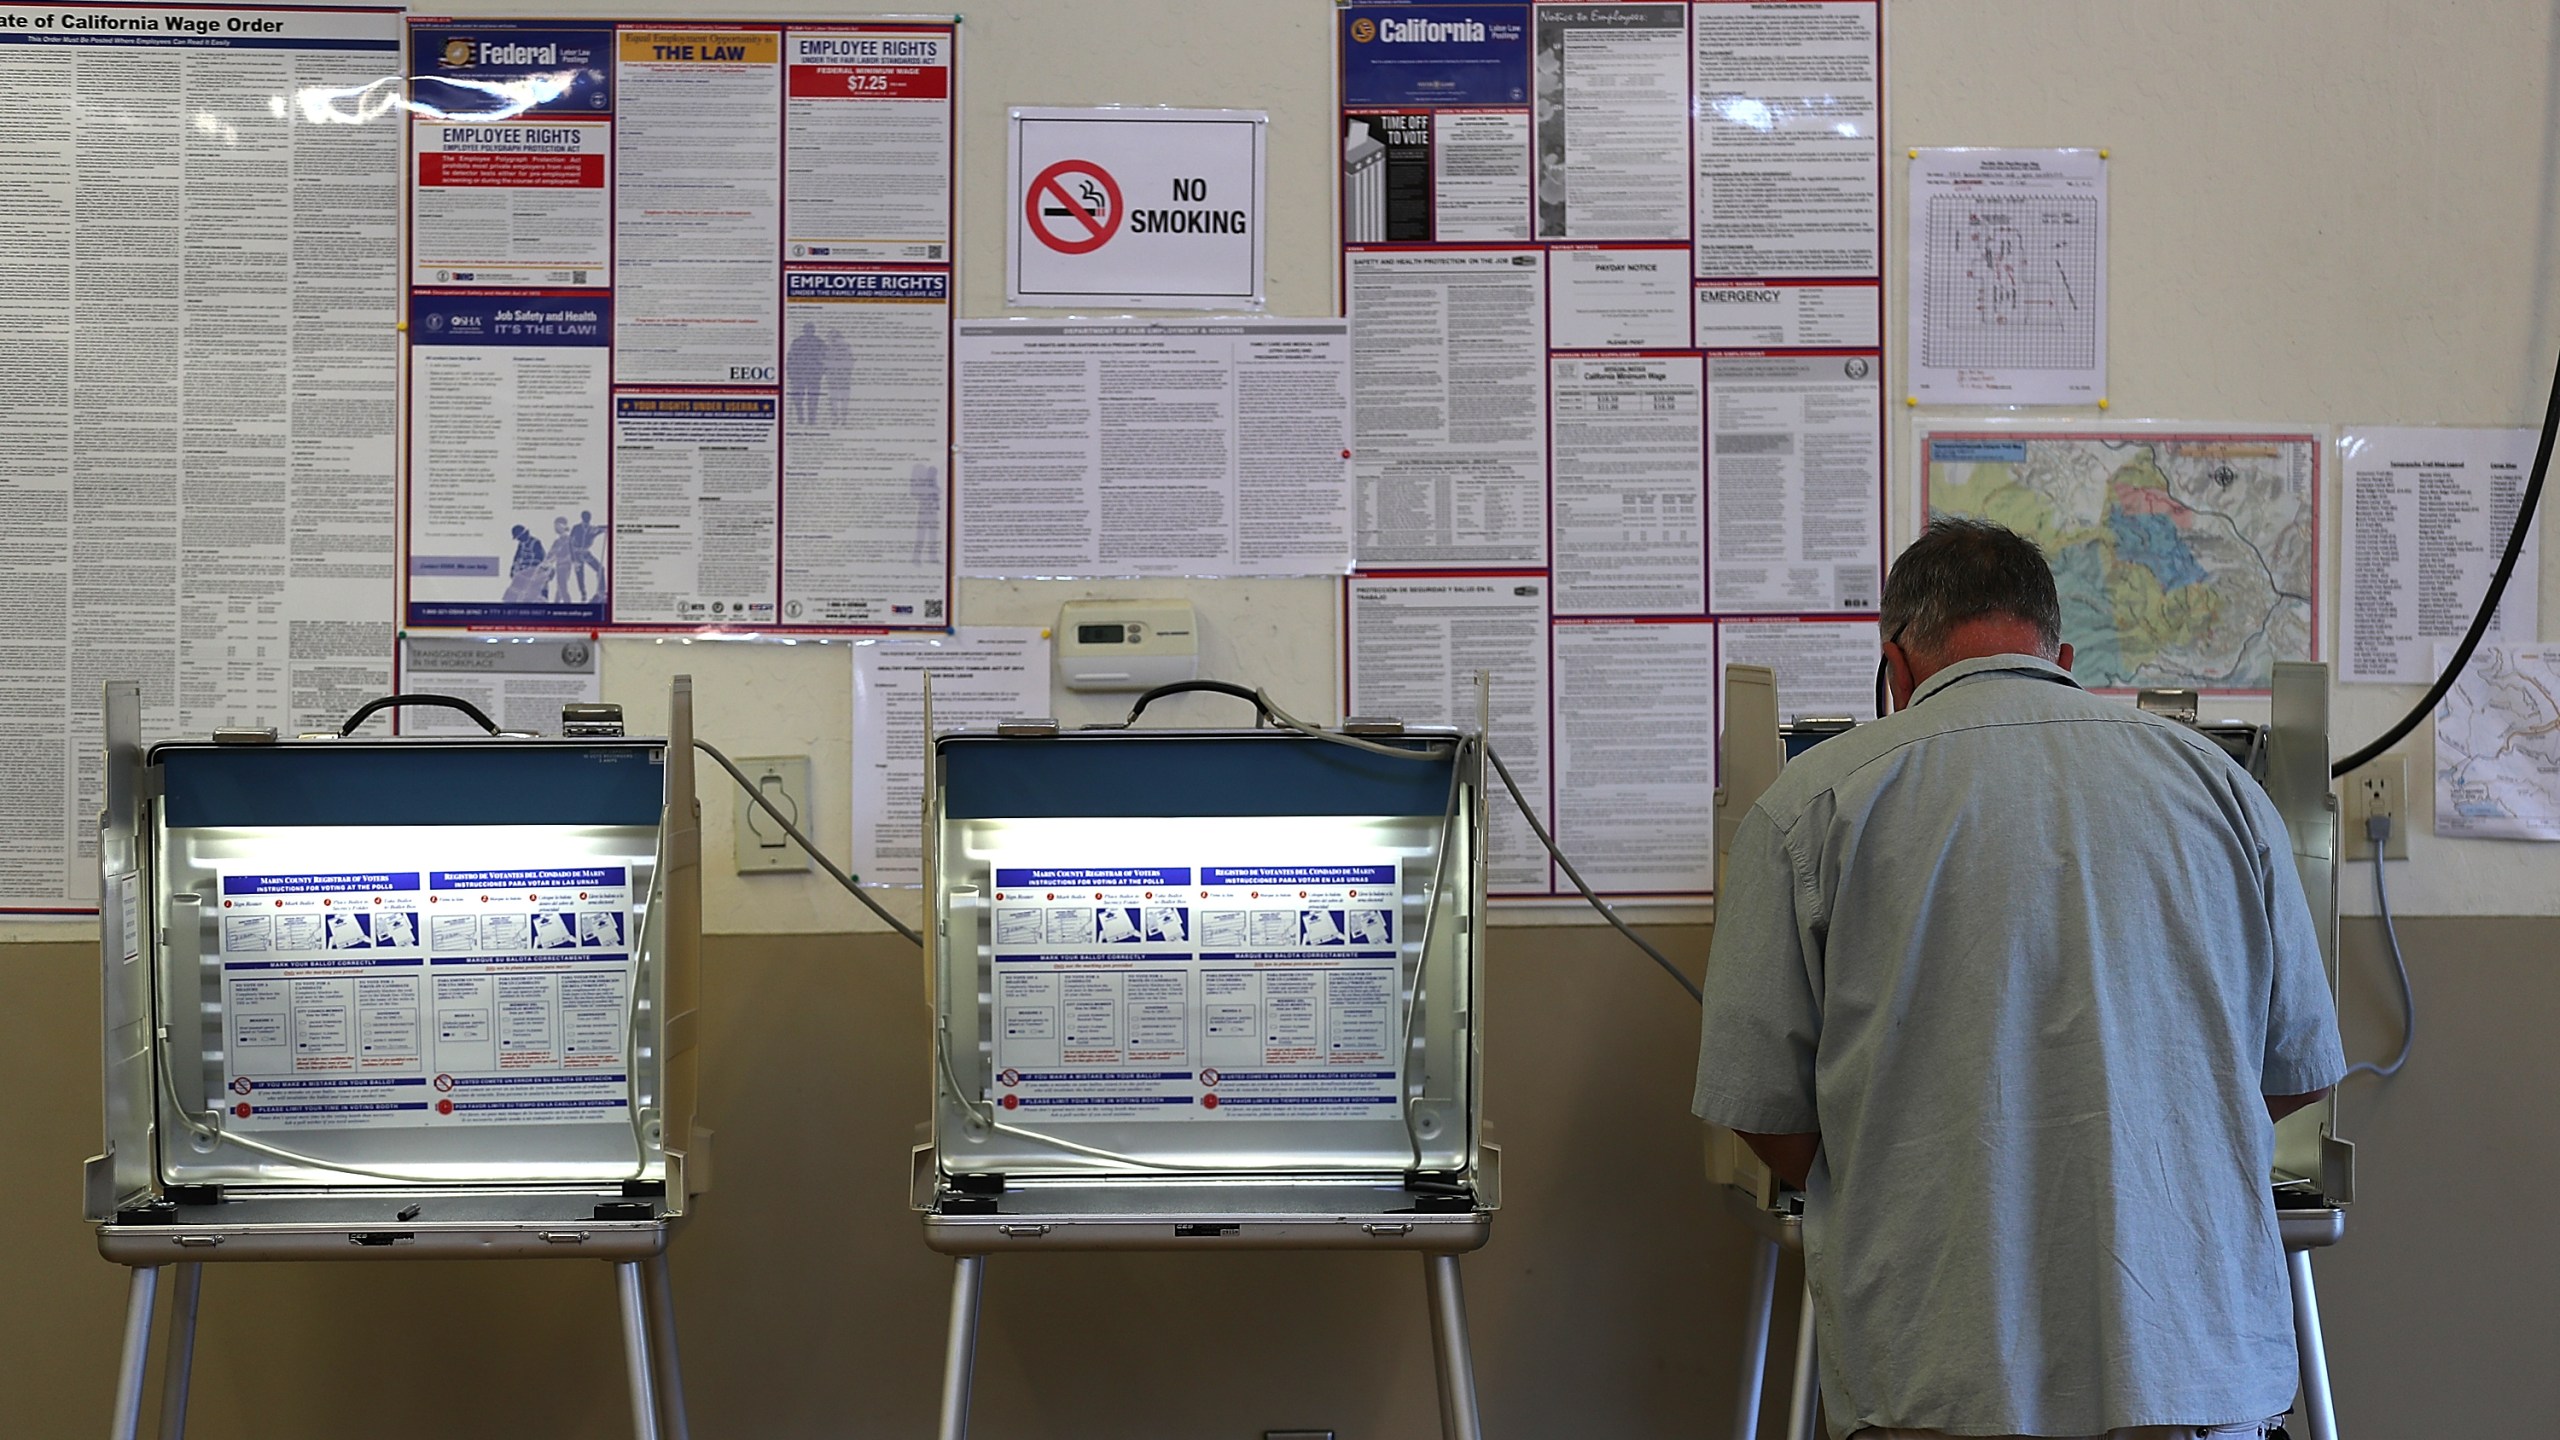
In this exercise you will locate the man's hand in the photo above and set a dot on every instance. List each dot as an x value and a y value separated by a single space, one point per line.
2279 1106
1789 1157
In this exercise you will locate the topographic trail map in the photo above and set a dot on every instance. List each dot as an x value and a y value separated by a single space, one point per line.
2498 745
2183 560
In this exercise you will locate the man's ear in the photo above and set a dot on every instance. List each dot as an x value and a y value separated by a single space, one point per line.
2063 657
1899 677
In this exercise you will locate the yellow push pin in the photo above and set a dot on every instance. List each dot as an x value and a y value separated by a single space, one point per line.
2102 402
2102 152
1911 400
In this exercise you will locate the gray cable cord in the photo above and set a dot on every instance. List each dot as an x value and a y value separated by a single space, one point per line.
807 845
2399 964
1291 722
1578 883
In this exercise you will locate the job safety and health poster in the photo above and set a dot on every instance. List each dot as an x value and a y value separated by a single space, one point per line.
1614 276
680 309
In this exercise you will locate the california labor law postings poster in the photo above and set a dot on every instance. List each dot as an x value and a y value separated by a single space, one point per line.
1615 282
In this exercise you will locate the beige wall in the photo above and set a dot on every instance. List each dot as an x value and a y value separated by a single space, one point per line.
1608 1304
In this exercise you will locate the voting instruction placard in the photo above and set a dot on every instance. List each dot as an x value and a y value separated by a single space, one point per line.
1175 992
402 999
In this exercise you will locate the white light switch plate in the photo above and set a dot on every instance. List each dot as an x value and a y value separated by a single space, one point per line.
762 845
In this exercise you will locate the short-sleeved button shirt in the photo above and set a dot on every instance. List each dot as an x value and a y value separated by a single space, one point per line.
2028 959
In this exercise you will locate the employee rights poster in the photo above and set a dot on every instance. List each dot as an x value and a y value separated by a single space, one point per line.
680 308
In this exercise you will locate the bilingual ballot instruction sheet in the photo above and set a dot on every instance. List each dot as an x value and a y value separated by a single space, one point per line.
680 294
435 997
1176 992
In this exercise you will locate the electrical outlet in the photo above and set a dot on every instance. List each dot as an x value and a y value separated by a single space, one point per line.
762 845
2380 788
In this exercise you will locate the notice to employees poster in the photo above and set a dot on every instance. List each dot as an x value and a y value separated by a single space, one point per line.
680 309
1614 274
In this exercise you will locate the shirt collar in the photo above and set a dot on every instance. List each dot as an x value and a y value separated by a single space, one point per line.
1964 670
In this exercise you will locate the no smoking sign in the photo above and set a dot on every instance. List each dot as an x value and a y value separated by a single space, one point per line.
1137 207
1074 207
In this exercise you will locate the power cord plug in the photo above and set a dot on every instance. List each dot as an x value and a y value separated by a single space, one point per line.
2377 828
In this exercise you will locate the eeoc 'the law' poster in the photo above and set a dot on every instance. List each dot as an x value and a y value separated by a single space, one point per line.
1614 275
680 315
199 293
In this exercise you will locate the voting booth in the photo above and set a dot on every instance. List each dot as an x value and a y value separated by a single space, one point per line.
373 999
2314 1171
1203 990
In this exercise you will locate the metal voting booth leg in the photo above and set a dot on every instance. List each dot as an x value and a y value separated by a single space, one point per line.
1804 1404
960 1359
655 1371
670 1362
137 1352
1804 1389
2319 1410
1755 1341
635 1350
1450 1353
1453 1359
176 1368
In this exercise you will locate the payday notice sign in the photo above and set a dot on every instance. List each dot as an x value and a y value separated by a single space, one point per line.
1149 208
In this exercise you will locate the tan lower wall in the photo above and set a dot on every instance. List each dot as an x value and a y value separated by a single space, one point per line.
1608 1304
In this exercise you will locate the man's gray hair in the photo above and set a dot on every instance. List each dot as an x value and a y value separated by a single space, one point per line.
1961 569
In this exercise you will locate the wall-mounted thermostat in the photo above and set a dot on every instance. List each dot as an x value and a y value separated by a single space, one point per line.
1126 644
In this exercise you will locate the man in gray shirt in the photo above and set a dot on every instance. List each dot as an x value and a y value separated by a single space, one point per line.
2014 984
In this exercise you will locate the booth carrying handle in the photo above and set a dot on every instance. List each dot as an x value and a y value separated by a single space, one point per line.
1261 707
392 702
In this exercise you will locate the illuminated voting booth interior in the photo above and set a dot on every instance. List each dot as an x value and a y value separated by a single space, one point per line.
1207 989
2314 1170
396 998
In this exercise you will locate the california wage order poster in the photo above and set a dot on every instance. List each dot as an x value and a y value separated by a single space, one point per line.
199 284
